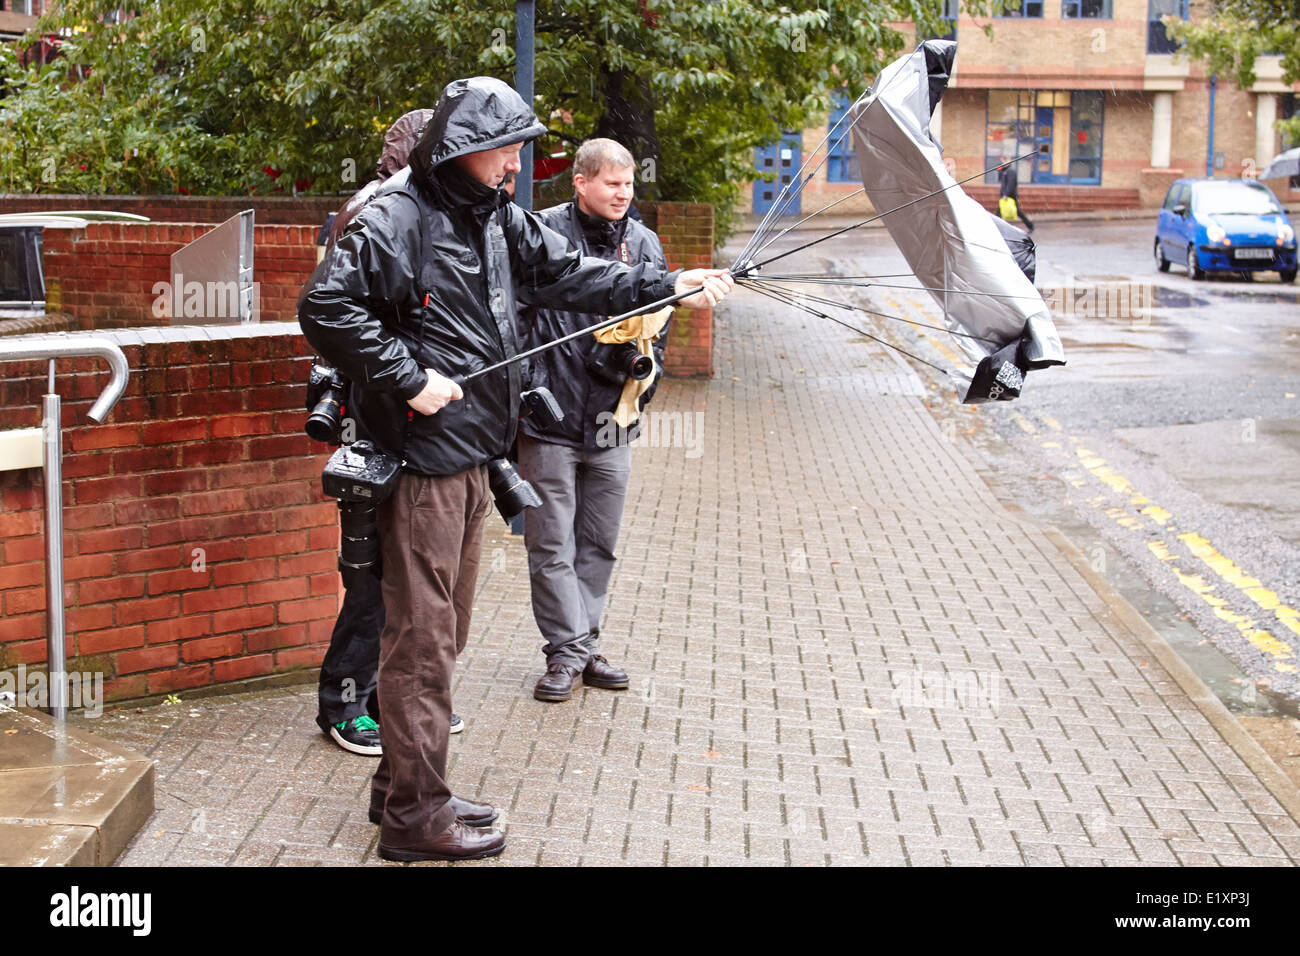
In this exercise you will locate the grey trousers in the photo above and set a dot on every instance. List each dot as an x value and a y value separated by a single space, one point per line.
571 540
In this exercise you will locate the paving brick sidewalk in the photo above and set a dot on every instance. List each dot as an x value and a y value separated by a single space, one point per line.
843 650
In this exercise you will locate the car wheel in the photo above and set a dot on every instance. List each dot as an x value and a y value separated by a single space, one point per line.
1194 270
1161 262
1288 275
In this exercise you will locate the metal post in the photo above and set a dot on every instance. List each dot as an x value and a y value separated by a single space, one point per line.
525 26
1209 148
53 436
52 346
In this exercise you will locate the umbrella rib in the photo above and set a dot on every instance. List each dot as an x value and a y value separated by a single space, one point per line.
798 181
822 315
883 315
783 199
747 267
860 189
890 285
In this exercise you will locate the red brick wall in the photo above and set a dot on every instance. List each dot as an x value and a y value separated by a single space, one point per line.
103 276
686 231
205 451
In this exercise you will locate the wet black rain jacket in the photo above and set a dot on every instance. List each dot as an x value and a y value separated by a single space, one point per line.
426 276
582 396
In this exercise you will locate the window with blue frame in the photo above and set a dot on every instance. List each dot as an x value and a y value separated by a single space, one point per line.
842 162
1158 38
1028 8
1054 135
1086 9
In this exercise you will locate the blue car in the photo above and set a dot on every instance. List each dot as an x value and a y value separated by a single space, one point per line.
1224 225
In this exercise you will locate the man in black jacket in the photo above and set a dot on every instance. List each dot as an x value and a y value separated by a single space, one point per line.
579 473
421 286
347 705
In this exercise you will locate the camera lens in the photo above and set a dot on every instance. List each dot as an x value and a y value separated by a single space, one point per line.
359 542
511 492
325 422
639 366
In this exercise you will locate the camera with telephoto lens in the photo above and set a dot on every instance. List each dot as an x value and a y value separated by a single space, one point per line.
361 477
617 363
509 489
327 392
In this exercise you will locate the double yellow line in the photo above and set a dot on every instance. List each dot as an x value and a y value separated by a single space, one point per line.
1223 572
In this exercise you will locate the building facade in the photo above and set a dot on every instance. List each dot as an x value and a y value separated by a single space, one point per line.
19 16
1092 94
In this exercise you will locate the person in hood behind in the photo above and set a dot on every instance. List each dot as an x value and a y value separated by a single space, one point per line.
580 466
347 705
398 143
419 287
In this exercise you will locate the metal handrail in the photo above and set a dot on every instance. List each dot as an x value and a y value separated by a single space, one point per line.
55 347
76 346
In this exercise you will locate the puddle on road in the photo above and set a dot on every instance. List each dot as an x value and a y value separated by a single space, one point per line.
1164 298
1261 297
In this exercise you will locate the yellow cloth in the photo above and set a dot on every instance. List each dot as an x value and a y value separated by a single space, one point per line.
641 330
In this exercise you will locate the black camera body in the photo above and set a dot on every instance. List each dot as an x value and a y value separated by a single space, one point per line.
361 477
361 473
615 364
327 395
540 406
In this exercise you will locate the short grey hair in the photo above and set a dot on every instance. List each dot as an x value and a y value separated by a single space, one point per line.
595 154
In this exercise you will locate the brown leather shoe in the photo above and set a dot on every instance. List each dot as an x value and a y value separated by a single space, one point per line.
473 814
457 842
601 673
557 683
467 812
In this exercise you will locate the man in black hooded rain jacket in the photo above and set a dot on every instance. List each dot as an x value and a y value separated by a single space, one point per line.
421 286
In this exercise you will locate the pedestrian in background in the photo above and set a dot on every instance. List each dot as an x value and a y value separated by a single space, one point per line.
1009 189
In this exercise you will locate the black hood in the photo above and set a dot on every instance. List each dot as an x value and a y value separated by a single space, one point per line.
473 115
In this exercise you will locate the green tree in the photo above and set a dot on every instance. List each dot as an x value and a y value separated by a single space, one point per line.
206 95
1236 33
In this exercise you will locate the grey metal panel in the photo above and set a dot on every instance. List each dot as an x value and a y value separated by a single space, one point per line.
212 277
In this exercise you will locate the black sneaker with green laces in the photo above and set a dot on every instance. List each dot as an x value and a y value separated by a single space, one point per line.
360 735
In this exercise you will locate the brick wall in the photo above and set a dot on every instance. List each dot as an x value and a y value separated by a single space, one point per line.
103 276
686 231
199 548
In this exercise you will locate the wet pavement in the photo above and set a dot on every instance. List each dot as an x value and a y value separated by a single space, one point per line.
844 650
1169 444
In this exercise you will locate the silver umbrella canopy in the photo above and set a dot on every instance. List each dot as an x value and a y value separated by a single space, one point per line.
950 242
1285 164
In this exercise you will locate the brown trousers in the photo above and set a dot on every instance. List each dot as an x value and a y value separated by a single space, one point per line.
431 531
